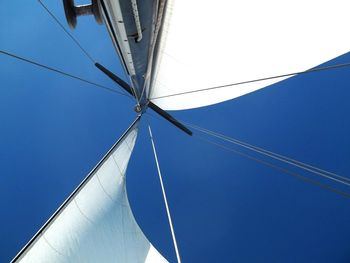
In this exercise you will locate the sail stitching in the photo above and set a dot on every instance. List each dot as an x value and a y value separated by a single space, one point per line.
115 161
83 214
60 211
105 191
51 246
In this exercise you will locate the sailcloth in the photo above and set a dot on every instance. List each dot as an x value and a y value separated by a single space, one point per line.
204 44
95 224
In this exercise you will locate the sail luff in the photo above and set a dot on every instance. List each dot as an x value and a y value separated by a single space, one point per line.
95 223
75 191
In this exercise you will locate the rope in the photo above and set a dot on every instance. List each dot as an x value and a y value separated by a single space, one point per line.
66 31
61 72
164 196
256 80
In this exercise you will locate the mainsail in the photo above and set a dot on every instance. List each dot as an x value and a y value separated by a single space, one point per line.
205 44
95 224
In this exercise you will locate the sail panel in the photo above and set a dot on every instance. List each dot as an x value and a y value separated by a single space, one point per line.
96 224
205 44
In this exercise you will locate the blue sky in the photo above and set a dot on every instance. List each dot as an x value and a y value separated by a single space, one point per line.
225 208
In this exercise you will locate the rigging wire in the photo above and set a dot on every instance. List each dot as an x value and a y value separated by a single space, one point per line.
299 176
75 40
279 157
62 72
67 32
164 196
256 80
273 166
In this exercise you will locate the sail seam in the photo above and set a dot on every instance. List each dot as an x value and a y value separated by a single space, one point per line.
51 246
106 193
83 214
116 163
75 192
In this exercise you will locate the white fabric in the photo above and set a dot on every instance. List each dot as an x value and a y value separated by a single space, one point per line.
97 225
210 43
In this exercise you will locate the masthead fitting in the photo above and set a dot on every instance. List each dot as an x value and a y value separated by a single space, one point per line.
138 108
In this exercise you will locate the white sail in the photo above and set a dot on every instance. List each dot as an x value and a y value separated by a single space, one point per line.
206 44
95 224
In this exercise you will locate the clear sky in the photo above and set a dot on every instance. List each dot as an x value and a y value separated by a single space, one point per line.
225 208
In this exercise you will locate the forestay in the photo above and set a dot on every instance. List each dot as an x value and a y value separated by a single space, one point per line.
95 224
205 44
